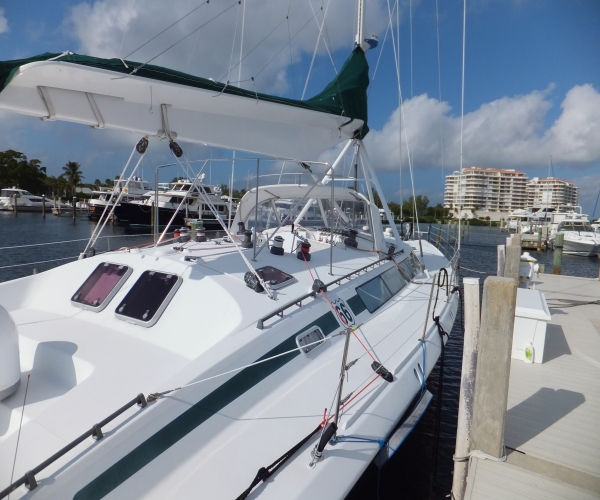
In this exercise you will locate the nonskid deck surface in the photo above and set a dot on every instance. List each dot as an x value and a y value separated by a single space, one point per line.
235 423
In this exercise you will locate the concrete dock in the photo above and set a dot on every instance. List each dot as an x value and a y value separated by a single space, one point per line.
552 433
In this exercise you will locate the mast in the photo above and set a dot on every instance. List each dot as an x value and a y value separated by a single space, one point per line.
359 27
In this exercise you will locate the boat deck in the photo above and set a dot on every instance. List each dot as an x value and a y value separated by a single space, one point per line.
552 439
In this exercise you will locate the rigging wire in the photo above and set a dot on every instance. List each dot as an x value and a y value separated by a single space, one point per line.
256 46
411 50
185 37
312 61
166 29
389 27
437 26
324 26
279 51
126 27
237 18
290 44
242 41
197 38
403 122
462 116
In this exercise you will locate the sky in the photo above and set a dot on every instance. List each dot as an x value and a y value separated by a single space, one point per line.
531 92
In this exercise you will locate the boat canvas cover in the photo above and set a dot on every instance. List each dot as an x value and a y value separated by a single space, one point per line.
127 95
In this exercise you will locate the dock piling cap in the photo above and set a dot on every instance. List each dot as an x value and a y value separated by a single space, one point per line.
526 257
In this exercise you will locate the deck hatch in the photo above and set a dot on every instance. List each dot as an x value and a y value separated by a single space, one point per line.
275 278
148 298
101 286
376 292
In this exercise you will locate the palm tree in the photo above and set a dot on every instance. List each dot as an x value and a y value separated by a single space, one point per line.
72 174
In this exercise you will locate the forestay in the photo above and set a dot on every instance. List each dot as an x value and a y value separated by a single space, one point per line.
156 101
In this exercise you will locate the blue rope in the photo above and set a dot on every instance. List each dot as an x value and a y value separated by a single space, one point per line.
359 439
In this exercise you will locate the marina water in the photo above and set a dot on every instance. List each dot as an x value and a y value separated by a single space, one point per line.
408 475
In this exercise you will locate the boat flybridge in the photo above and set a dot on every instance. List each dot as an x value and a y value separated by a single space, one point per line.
277 361
179 202
135 189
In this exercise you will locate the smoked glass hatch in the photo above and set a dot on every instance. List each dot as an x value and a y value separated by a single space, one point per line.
376 292
101 286
274 277
148 298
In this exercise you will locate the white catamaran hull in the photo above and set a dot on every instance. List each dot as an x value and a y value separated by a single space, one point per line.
85 364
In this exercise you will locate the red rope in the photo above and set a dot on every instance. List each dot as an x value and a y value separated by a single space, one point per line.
354 396
307 266
337 312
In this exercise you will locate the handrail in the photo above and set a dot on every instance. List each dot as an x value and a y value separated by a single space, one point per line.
298 302
28 478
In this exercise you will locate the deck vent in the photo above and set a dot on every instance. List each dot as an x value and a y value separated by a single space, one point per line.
310 340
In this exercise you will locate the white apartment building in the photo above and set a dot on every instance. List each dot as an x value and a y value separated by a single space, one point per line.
551 192
486 190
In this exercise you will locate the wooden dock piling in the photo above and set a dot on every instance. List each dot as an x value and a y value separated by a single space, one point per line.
467 385
501 260
493 365
513 258
558 251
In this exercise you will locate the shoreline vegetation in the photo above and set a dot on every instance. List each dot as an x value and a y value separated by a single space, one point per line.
16 170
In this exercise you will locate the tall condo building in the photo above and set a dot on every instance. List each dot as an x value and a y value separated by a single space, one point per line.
551 192
486 189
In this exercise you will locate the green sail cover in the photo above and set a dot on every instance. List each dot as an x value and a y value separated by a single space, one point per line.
346 95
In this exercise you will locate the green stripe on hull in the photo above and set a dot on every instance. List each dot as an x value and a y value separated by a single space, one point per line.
189 420
356 304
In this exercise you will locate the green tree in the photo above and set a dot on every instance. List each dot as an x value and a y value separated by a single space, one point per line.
72 174
57 185
421 202
17 170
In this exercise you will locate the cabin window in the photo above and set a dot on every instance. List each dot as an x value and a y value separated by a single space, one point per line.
376 292
148 298
393 280
275 278
101 286
407 268
314 337
416 263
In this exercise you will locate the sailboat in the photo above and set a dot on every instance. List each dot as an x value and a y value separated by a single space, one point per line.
277 361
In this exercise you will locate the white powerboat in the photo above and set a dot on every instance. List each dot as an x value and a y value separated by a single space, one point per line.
136 189
182 369
26 202
172 205
580 238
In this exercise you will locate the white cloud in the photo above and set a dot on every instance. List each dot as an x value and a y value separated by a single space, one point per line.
508 132
3 22
99 28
